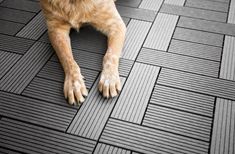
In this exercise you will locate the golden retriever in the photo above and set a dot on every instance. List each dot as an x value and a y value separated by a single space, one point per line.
61 16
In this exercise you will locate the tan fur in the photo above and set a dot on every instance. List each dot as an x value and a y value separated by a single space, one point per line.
61 16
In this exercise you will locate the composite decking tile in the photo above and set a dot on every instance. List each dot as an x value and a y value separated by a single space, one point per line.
136 13
223 136
197 83
227 70
148 140
208 5
25 5
151 4
161 32
135 36
93 114
36 112
7 151
129 3
175 2
15 44
231 15
26 68
183 100
195 50
209 26
28 138
194 12
108 149
7 61
179 122
134 98
15 15
9 28
198 37
179 62
34 29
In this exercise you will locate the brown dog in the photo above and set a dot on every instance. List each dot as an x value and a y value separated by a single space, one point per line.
61 16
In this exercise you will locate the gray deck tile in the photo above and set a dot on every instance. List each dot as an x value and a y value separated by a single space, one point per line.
134 98
14 44
15 15
194 13
161 32
135 36
10 28
33 139
93 114
34 29
198 37
151 4
197 83
223 137
227 70
108 149
131 3
7 61
195 50
7 151
210 26
148 140
231 15
175 2
179 62
208 5
26 68
36 112
183 100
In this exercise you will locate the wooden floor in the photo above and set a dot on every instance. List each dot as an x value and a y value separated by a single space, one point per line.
178 82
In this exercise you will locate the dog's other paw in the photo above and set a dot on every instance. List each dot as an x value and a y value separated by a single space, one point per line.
110 84
74 86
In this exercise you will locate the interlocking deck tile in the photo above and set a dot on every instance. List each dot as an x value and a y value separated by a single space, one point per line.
161 32
134 98
14 44
108 149
8 151
198 37
231 16
34 29
223 137
151 4
36 112
28 138
94 61
175 2
26 68
9 28
193 12
197 83
25 5
178 122
7 61
15 15
135 36
227 70
179 62
195 50
136 13
183 100
93 114
208 5
210 26
54 71
147 140
130 3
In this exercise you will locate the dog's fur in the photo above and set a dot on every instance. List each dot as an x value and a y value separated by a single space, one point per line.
61 16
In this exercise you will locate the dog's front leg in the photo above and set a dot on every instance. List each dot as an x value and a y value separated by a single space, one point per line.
74 87
110 84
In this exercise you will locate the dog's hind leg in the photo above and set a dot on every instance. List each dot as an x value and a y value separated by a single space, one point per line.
74 87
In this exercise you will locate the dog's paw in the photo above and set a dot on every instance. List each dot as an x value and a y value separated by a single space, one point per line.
74 87
110 84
